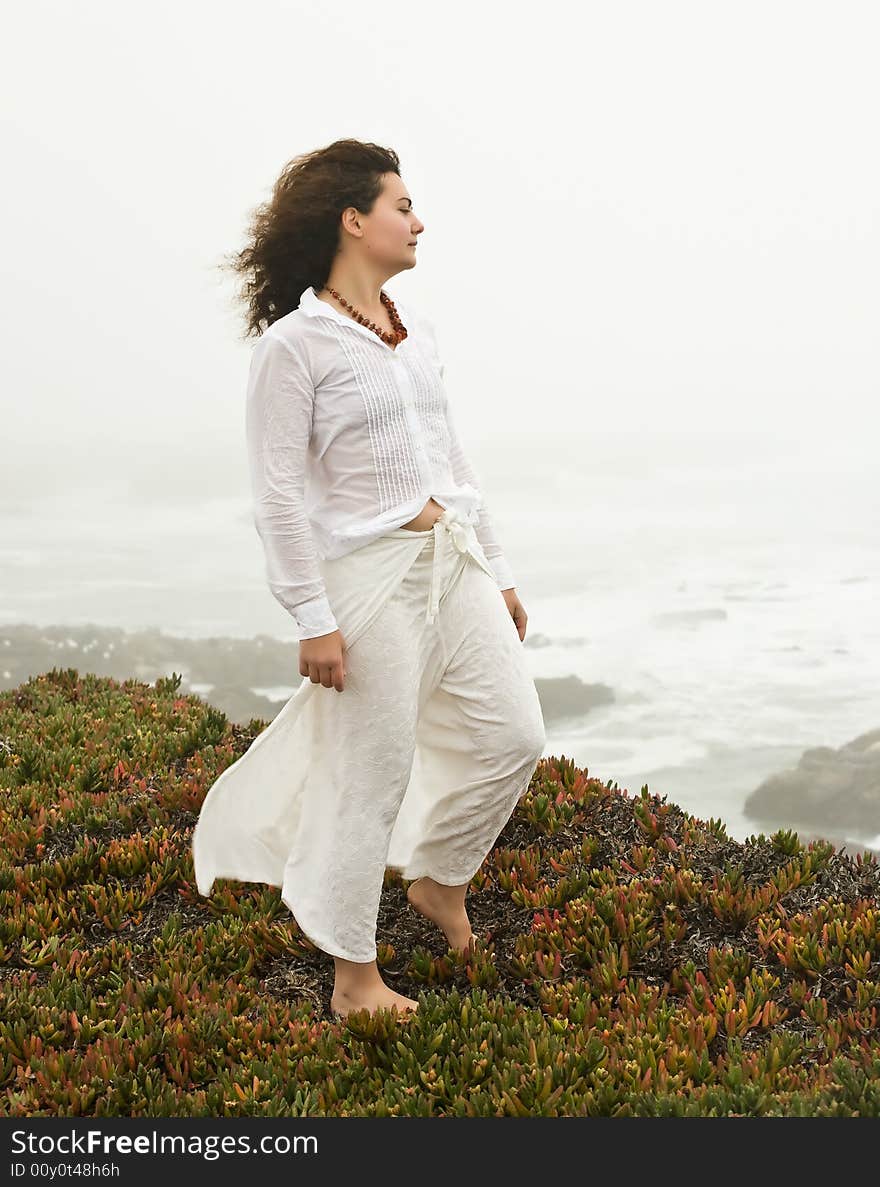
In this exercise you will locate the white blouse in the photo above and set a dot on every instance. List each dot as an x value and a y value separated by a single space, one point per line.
347 439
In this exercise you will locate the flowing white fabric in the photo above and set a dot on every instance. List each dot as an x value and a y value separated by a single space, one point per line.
250 815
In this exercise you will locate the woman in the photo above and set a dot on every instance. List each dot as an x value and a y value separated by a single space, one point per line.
417 727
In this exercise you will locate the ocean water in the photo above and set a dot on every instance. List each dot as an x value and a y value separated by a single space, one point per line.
730 596
724 585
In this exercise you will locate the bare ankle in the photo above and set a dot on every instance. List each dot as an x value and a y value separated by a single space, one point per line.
356 977
454 896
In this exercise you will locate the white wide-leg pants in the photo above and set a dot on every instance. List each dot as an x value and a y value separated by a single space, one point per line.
417 764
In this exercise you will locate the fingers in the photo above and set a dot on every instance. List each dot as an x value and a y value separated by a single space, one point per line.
322 660
330 675
520 619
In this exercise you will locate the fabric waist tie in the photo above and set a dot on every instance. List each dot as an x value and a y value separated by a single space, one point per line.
450 525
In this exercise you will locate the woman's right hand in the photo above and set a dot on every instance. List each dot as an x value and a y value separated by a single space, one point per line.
321 660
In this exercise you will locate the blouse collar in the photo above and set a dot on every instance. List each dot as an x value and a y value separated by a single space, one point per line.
312 306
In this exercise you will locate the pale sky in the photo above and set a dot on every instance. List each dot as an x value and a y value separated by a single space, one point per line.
637 215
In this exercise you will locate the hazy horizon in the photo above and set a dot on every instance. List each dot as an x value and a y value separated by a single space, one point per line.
664 219
650 252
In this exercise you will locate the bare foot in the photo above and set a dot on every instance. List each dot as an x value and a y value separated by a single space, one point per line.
379 997
453 923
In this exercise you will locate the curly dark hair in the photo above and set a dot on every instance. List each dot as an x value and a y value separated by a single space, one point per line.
294 237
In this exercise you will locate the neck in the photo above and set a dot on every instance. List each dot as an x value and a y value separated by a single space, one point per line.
360 287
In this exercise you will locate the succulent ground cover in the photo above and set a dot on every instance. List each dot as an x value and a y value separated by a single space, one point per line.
639 961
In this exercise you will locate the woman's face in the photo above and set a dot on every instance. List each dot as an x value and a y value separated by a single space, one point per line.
391 228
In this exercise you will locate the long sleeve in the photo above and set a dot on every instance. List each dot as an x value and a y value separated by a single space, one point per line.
462 471
280 406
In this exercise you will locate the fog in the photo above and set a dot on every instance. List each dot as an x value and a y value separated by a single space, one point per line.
650 252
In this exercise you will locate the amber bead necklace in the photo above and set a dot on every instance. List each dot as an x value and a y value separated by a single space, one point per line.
396 335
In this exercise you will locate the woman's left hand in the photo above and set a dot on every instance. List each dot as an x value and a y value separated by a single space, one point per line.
517 611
